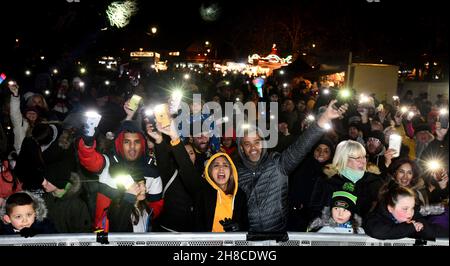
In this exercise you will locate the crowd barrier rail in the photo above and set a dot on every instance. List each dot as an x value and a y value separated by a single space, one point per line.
209 239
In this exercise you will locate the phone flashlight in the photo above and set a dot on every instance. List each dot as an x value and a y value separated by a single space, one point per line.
363 98
125 180
433 165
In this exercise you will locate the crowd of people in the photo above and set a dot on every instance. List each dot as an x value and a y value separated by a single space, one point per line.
333 169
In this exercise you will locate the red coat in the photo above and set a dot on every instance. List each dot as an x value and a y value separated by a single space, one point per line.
6 181
97 163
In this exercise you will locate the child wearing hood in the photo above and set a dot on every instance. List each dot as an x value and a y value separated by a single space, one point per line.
25 214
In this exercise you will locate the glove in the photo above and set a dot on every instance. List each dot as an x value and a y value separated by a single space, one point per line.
89 127
28 232
229 225
88 140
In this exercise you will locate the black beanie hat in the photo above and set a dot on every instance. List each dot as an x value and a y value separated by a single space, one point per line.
328 142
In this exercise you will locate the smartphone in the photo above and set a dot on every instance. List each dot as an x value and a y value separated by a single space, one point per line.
125 180
150 115
92 121
134 102
2 77
162 116
395 143
342 96
443 118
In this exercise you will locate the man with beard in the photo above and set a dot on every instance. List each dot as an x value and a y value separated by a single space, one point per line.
264 176
128 157
201 144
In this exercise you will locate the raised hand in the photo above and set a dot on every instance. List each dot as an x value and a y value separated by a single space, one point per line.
388 155
170 130
440 132
331 113
14 88
152 132
128 110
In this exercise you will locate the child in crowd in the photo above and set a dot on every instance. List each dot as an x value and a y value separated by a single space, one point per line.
130 212
25 214
397 216
341 218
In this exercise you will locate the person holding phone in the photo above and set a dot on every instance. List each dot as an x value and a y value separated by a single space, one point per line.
22 123
437 181
219 203
130 154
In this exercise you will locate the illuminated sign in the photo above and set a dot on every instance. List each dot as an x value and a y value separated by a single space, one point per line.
143 54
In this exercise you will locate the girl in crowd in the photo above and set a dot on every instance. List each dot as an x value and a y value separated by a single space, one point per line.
397 216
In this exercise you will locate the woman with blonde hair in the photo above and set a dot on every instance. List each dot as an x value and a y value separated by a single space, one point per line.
349 172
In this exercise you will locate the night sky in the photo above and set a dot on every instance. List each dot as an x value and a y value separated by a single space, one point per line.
397 31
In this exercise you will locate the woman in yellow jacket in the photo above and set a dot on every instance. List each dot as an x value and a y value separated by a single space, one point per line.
219 204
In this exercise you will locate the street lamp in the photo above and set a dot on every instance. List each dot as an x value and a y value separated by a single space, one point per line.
154 30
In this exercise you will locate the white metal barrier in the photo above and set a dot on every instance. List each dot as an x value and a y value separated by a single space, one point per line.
207 239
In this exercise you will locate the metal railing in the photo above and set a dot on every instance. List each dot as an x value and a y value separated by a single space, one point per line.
207 239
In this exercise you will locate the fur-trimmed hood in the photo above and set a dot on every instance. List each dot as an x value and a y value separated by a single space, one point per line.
40 207
327 220
330 170
75 181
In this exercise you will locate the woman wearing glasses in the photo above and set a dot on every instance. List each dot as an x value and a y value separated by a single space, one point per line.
348 172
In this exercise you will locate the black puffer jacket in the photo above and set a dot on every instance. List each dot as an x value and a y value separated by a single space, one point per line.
382 225
266 182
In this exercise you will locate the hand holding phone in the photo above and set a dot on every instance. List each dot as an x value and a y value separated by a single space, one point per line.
443 118
125 180
395 143
92 121
162 116
13 87
134 102
342 96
